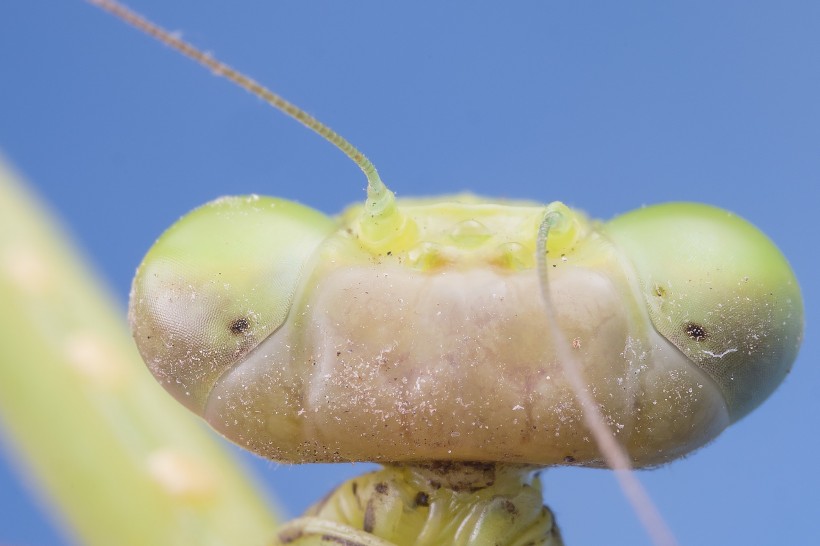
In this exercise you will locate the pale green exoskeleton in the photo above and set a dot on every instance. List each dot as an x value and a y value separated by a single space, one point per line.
461 342
433 348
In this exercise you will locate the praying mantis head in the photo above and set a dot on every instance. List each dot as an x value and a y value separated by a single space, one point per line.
414 330
417 331
306 338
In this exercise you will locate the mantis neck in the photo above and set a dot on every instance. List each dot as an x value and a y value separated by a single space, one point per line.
460 504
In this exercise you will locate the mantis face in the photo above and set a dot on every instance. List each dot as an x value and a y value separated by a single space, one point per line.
297 339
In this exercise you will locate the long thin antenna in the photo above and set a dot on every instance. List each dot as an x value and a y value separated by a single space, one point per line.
379 198
613 452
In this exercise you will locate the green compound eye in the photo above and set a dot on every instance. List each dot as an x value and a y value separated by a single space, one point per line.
720 291
217 283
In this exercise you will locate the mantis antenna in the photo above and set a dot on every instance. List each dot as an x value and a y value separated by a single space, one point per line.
382 218
613 452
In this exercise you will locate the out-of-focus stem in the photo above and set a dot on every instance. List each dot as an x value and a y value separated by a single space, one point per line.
119 459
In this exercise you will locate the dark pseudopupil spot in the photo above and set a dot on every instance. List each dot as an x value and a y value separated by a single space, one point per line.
695 331
240 326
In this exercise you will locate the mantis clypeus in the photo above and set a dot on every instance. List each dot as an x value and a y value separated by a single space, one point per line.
239 328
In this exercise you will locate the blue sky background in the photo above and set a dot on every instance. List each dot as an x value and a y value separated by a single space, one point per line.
606 106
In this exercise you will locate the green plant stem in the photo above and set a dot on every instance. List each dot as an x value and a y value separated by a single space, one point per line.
120 460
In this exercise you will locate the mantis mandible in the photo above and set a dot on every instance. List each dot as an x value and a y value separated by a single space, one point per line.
440 337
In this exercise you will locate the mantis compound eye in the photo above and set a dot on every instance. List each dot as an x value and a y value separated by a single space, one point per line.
720 291
215 284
